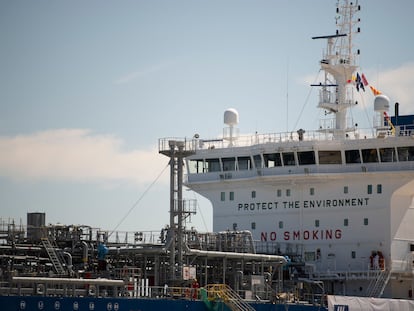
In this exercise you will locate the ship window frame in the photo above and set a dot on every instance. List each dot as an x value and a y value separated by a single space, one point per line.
229 164
353 254
257 160
352 156
231 196
244 163
369 189
369 155
279 193
387 155
317 223
196 166
329 157
346 189
288 192
379 188
253 194
346 222
222 196
306 157
212 165
312 191
281 224
366 222
272 160
288 158
253 225
405 153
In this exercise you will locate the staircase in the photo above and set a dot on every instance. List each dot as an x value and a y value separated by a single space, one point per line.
54 256
229 297
377 285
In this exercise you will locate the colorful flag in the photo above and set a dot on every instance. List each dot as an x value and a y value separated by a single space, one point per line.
364 80
375 91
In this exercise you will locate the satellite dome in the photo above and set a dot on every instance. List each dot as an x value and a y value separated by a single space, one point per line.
381 103
231 117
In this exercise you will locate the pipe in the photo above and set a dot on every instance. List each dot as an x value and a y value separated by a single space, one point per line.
249 256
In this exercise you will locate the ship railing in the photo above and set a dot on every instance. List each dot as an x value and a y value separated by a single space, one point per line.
135 237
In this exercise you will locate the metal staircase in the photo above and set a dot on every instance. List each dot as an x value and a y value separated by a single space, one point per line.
55 258
377 285
229 297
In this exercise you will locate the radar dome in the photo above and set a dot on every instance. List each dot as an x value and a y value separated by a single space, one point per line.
231 117
381 103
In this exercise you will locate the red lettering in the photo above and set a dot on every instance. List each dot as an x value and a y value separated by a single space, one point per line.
328 234
338 234
263 237
306 235
296 235
315 234
273 236
286 235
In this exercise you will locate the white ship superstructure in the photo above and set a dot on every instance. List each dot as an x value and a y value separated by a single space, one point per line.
337 201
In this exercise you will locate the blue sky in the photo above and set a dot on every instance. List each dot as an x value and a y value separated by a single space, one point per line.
88 87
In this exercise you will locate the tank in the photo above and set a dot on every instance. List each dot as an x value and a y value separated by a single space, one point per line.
35 224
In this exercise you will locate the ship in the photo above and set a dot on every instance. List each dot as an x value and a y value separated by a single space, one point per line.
301 220
337 201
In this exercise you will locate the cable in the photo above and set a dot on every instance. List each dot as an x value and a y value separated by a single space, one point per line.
139 200
306 101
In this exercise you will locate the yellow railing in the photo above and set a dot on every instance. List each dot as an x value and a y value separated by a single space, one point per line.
228 296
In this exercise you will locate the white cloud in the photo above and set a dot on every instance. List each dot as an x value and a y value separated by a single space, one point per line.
77 155
141 73
397 84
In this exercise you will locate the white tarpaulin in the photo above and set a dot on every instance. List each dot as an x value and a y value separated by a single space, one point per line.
350 303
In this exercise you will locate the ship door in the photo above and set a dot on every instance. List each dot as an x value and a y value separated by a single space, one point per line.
331 262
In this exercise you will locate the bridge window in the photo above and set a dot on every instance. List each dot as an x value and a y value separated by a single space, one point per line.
279 193
253 194
288 158
280 224
223 196
405 153
212 165
253 225
306 157
257 158
196 166
231 196
369 189
244 163
346 189
369 155
346 222
388 155
229 164
352 156
330 157
272 160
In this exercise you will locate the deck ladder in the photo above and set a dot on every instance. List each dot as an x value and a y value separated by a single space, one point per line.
54 256
377 285
229 297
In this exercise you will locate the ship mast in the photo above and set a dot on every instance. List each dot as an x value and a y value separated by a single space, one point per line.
339 63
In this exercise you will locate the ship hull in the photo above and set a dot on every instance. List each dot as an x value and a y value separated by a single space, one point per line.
9 303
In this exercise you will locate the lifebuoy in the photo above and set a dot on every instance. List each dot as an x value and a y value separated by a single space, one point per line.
92 290
40 289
